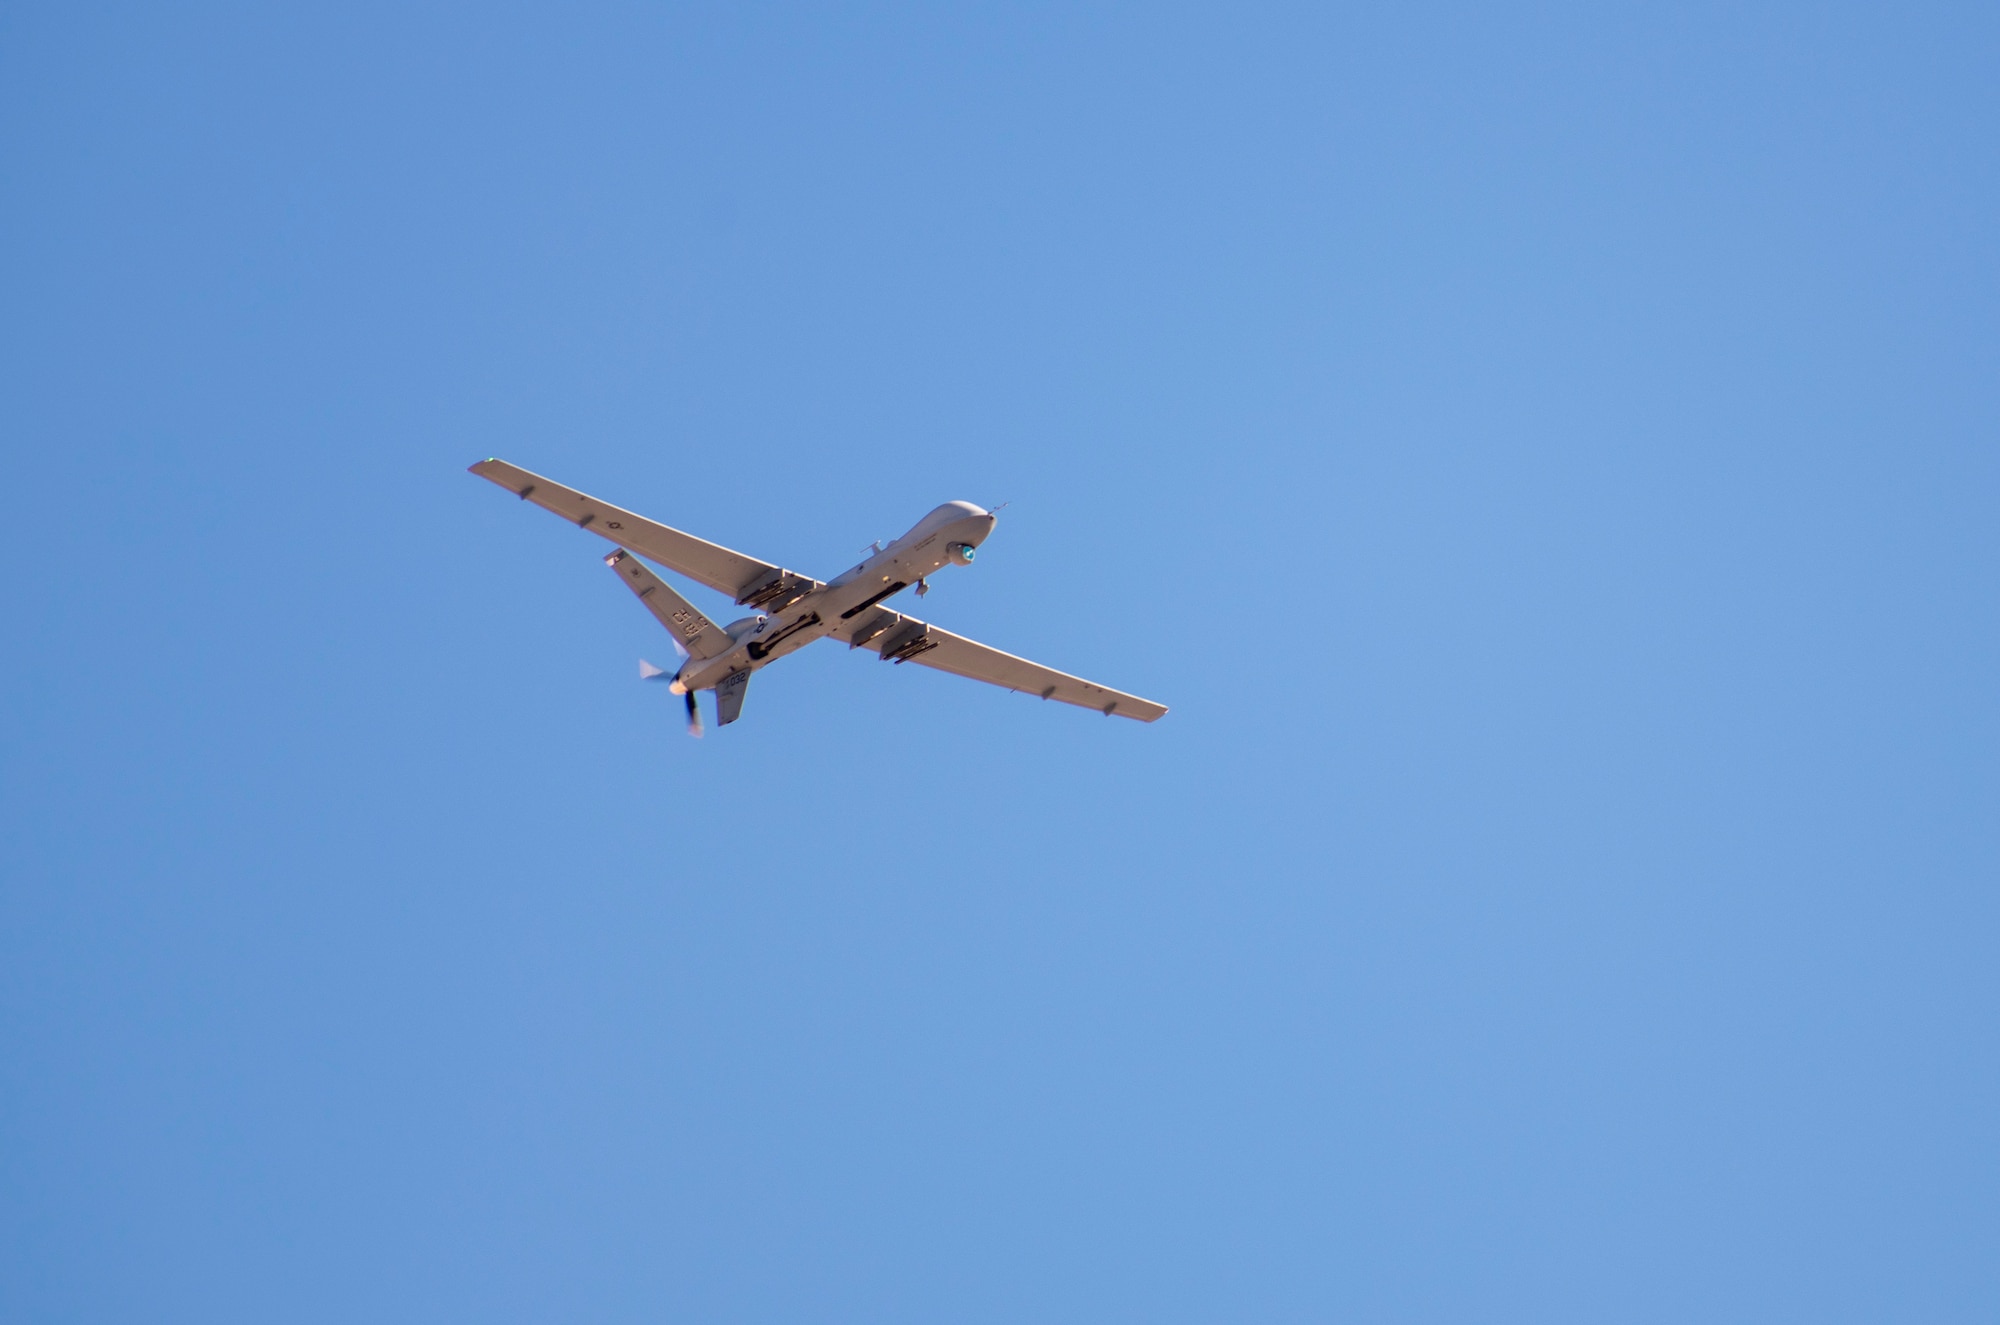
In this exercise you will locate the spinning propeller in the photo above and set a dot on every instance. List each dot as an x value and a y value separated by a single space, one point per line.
648 672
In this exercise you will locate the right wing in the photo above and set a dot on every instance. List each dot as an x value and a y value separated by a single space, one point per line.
745 579
900 638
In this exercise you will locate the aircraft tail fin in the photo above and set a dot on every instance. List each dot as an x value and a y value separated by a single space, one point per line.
692 632
729 697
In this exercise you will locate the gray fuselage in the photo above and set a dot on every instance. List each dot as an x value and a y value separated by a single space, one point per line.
944 537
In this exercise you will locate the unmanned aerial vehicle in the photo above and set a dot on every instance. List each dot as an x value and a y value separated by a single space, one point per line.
789 610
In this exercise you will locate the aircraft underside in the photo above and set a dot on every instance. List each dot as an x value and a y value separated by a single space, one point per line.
792 610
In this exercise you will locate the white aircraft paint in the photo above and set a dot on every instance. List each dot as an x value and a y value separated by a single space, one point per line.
792 610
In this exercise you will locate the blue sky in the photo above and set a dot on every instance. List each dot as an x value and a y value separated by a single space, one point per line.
1546 456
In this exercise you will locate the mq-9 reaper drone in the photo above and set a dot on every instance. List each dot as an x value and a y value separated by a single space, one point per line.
792 610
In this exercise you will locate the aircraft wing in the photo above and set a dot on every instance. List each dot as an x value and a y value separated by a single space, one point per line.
745 579
899 638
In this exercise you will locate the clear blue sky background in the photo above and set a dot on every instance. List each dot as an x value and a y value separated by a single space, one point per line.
1545 456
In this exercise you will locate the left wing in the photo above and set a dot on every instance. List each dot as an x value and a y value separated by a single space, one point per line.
900 638
746 579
